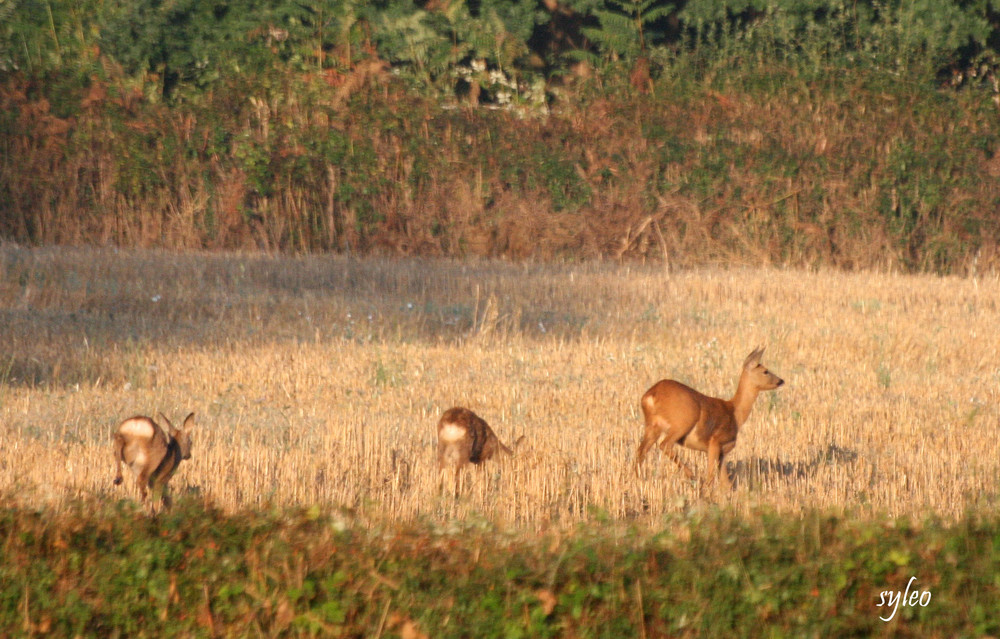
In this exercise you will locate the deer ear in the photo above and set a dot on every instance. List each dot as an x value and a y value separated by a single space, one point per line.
188 422
754 357
163 418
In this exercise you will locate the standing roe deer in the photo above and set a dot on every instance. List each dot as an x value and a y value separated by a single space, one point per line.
463 438
678 414
152 455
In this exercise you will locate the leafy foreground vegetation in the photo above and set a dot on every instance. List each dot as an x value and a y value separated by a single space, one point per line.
107 570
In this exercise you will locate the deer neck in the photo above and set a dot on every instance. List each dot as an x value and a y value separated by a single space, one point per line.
171 459
746 395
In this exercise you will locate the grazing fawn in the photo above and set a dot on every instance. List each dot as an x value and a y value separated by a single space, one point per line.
463 438
152 454
678 414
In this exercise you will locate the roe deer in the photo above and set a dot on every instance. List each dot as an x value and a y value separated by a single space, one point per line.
678 414
152 454
463 438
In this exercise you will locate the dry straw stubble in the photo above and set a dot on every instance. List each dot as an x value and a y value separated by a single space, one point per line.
320 380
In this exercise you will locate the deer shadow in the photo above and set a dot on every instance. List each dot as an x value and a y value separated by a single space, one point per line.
755 473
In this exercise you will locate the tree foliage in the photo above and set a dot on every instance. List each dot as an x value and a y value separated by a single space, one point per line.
195 44
626 29
317 125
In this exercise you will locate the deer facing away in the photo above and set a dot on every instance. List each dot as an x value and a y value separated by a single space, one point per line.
152 454
466 438
678 414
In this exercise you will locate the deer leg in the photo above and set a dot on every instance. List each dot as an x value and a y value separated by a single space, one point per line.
157 498
725 449
444 480
716 457
648 441
667 446
119 453
714 461
142 481
675 435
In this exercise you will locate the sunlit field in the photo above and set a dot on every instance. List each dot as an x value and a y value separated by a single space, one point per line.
319 381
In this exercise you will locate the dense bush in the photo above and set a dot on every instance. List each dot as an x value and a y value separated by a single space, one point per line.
105 570
787 132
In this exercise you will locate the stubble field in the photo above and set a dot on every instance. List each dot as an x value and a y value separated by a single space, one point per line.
318 381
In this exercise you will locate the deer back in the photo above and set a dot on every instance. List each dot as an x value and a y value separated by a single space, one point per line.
464 437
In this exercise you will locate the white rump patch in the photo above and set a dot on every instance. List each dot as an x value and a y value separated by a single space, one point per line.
451 433
136 428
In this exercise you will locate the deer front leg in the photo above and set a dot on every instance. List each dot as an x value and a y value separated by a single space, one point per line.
714 461
726 448
716 457
165 499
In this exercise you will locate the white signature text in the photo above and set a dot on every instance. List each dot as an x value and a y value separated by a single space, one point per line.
907 598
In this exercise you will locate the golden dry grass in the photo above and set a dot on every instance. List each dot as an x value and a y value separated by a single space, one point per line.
319 380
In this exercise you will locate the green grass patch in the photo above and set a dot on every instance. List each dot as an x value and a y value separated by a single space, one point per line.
107 570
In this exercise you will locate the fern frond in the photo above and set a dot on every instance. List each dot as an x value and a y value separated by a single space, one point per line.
616 23
657 13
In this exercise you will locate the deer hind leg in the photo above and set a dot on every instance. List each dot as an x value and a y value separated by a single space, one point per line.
119 454
143 481
648 441
668 448
442 457
443 472
458 479
669 442
670 436
450 456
